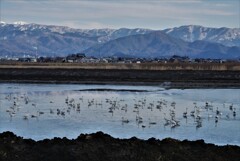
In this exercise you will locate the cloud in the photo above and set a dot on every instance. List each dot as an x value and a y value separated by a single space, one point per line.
100 13
87 25
106 9
223 5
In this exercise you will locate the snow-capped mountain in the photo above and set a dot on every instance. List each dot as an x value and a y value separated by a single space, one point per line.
21 38
158 44
20 23
191 33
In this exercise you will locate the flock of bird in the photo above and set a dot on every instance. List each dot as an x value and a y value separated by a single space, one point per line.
138 107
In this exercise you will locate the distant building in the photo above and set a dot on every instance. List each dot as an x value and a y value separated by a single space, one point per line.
75 57
27 60
177 59
80 55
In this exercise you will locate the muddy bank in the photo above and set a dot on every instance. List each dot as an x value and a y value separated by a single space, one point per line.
113 90
99 147
173 78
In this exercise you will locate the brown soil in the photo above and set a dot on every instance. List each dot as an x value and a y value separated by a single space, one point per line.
102 147
173 78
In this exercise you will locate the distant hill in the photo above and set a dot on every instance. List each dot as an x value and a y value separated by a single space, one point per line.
191 33
215 50
155 44
19 39
159 44
28 39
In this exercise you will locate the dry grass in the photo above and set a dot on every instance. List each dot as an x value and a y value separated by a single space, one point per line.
133 66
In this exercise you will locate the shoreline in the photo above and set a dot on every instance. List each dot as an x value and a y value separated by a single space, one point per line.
100 146
117 138
163 78
165 85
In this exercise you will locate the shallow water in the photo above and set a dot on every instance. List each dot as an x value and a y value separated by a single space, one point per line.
68 110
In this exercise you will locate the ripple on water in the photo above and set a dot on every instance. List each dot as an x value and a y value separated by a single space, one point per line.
41 111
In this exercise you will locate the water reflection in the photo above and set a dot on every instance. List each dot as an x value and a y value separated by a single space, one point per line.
45 111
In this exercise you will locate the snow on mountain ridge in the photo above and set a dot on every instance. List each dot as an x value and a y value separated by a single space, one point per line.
20 23
191 33
64 40
104 34
19 38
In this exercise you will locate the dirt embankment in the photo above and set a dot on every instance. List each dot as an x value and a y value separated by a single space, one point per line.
99 147
178 78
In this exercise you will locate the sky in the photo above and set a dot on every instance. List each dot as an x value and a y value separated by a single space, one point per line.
151 14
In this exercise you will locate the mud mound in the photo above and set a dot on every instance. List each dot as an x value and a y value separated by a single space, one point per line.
102 147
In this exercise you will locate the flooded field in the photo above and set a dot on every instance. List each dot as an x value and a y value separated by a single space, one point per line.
40 111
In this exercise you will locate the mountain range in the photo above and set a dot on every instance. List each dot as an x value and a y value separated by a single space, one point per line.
19 39
158 44
191 33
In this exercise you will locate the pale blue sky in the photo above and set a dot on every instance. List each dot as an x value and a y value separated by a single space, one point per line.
153 14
